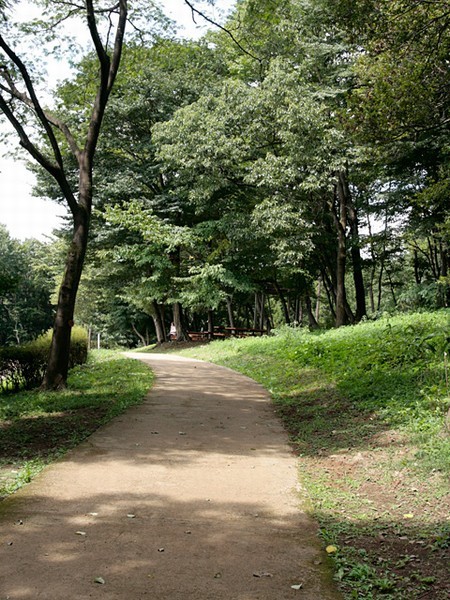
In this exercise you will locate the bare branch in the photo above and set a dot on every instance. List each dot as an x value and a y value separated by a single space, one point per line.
109 68
52 119
54 169
35 102
224 29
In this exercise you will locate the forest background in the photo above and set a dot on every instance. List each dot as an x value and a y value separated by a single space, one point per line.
290 167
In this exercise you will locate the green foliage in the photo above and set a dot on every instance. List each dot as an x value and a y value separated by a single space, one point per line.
23 367
25 288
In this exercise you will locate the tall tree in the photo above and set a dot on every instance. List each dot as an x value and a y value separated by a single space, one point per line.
21 105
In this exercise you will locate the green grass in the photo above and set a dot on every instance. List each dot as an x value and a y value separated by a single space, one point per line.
38 427
365 407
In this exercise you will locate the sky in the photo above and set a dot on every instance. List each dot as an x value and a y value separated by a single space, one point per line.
26 216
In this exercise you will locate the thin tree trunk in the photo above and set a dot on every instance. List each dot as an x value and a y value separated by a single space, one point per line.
339 212
319 290
262 311
210 324
140 336
311 319
284 305
380 283
358 279
328 285
158 321
299 316
230 312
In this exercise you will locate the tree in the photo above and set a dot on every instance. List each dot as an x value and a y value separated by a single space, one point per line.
20 104
25 289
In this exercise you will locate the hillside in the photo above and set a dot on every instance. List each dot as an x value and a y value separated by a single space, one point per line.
366 410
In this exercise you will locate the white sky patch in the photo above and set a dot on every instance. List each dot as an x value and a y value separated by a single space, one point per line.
26 216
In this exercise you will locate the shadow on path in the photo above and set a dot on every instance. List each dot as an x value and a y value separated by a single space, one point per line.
192 495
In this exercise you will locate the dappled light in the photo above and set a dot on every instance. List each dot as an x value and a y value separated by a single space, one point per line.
192 494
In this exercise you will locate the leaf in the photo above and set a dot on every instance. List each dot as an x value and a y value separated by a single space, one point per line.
297 586
131 516
331 549
99 580
262 574
408 516
80 533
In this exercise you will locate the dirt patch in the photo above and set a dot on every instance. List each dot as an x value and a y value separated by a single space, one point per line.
387 518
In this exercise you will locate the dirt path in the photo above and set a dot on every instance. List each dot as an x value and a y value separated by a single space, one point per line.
191 495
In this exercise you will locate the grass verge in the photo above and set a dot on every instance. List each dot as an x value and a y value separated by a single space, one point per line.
38 427
365 408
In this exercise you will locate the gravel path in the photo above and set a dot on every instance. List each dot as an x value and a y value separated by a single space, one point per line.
192 495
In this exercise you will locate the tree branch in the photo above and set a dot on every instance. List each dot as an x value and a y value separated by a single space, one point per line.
224 29
55 170
35 102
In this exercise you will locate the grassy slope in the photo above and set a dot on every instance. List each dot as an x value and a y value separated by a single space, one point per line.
365 407
38 427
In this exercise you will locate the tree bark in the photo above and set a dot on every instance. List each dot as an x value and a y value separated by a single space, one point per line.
210 324
311 319
58 361
339 212
182 335
360 293
230 312
158 322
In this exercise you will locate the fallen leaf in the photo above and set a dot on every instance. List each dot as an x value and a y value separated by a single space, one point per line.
262 574
99 580
80 533
131 516
331 549
218 576
408 516
297 586
160 549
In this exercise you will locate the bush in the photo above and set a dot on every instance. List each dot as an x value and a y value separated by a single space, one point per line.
23 367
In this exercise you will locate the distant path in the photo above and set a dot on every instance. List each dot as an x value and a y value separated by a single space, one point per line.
190 496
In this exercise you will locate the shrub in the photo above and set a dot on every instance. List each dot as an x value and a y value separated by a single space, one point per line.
23 367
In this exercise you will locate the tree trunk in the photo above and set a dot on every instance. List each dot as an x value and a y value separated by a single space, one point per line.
319 290
360 293
210 324
58 362
339 212
311 319
284 305
140 336
158 322
230 312
178 321
331 297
